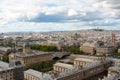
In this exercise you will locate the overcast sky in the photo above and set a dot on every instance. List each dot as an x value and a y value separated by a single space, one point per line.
57 15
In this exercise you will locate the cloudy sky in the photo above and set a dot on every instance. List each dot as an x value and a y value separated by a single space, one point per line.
57 15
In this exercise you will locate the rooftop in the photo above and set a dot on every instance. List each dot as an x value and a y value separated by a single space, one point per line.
39 75
34 73
85 60
106 47
66 61
68 66
70 72
4 64
115 68
89 44
33 53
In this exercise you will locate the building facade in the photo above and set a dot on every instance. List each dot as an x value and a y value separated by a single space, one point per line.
36 75
29 59
11 71
81 62
105 50
88 48
62 67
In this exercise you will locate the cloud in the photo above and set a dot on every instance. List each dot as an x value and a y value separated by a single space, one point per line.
90 12
43 27
72 12
110 8
16 10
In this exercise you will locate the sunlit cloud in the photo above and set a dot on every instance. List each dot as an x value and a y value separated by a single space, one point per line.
86 13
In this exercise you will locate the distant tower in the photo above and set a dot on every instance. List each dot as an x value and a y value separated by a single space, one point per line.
113 40
26 48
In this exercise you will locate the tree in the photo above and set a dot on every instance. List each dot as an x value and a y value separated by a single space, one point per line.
43 48
43 66
73 49
5 58
10 44
118 54
94 53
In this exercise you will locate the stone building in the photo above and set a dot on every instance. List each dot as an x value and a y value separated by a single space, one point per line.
114 71
77 64
74 56
29 57
80 62
36 75
118 50
33 58
88 48
113 74
11 71
105 50
64 71
62 67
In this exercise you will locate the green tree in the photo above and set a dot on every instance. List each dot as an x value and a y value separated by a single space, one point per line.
43 48
118 54
94 53
42 66
5 58
10 44
73 49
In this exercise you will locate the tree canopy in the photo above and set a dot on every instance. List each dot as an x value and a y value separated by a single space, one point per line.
72 49
5 58
43 66
43 48
118 54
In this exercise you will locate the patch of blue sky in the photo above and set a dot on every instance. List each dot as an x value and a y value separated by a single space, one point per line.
52 5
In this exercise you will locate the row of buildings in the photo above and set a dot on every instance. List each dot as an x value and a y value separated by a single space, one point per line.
62 39
29 57
76 67
83 67
99 47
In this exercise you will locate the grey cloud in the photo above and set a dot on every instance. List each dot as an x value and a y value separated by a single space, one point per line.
92 14
115 4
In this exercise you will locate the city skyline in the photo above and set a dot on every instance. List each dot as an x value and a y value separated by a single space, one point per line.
50 15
